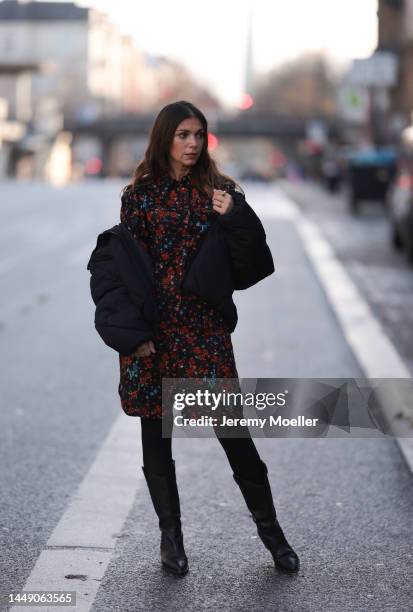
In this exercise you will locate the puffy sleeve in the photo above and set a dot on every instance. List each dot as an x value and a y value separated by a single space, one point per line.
132 215
250 254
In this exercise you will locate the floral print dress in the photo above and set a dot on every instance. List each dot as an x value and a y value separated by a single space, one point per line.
168 218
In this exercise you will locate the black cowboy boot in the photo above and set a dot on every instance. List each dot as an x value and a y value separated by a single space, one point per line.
260 503
165 498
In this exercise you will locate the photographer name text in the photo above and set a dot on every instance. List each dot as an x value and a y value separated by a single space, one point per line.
209 421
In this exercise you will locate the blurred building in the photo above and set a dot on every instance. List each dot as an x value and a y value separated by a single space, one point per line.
10 133
61 66
395 35
82 59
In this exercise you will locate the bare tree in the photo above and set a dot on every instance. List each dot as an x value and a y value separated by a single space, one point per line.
303 87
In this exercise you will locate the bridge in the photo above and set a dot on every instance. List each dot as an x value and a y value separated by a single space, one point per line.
126 136
247 125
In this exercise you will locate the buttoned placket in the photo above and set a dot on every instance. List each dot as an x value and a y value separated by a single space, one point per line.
184 188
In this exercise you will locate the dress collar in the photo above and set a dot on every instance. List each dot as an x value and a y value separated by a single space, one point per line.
166 180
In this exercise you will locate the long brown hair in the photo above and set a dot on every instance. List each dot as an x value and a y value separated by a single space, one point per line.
155 163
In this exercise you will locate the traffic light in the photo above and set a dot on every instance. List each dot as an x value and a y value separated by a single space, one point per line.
93 165
246 101
212 141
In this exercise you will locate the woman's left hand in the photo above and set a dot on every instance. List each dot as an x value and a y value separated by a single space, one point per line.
222 201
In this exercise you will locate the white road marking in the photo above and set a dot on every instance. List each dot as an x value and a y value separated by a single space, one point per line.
84 539
272 204
375 352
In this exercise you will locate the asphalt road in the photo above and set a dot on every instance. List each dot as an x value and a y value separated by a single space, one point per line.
345 504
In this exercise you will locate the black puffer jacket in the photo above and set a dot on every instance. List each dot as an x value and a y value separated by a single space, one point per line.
232 255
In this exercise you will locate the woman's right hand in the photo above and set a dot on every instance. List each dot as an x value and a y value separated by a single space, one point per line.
145 349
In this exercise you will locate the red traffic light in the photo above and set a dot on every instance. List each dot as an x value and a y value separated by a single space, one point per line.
212 141
246 101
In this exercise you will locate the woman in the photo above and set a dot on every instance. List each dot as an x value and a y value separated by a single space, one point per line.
176 193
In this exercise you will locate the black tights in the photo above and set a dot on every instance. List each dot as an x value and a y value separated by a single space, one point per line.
241 452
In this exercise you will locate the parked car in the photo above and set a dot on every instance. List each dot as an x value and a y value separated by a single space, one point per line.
400 198
369 175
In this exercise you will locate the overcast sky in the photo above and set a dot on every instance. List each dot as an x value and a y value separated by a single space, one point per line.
210 37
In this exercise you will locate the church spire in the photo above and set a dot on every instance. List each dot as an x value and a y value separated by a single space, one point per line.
249 62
